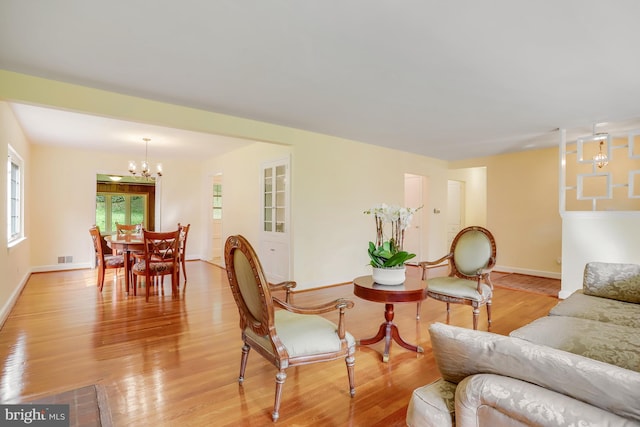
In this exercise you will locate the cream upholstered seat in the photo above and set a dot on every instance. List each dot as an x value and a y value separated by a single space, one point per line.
471 258
288 337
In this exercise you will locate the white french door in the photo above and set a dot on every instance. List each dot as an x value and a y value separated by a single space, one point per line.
275 224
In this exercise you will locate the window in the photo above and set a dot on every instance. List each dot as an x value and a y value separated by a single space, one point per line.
122 208
15 197
217 201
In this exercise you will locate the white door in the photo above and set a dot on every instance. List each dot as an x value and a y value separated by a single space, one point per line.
414 186
274 250
455 208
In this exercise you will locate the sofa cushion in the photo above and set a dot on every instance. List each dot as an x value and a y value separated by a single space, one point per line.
496 400
432 405
606 342
600 309
461 352
611 280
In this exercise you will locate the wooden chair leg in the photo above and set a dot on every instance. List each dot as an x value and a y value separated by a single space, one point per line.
418 308
281 376
351 361
100 278
243 362
489 312
476 312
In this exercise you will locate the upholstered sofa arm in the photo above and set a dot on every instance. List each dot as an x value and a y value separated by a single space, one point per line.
494 400
432 405
461 352
611 280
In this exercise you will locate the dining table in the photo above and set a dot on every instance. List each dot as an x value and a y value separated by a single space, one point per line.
127 244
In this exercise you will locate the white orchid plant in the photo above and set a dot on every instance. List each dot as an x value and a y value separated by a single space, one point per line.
389 253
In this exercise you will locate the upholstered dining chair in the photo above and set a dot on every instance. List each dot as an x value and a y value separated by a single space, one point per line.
104 261
471 258
184 233
290 335
160 259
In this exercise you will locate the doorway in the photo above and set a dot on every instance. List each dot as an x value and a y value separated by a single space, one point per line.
455 209
216 221
125 201
415 187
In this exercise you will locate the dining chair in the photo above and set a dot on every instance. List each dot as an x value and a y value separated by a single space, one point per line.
161 252
104 261
184 233
125 229
471 258
122 229
289 336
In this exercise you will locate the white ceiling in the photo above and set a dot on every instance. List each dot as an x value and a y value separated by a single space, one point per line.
447 79
58 127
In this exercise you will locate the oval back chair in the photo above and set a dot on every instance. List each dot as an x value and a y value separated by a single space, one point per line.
289 336
471 258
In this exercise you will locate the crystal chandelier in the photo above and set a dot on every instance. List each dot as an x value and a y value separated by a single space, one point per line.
144 165
600 159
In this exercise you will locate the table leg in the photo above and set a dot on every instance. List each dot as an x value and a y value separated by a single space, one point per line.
388 330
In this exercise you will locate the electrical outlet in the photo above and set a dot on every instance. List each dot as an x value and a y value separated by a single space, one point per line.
68 259
61 260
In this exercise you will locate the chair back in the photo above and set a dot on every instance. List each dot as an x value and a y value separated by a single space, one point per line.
474 249
249 286
161 246
124 229
184 232
96 237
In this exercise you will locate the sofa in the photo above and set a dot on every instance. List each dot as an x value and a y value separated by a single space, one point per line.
578 366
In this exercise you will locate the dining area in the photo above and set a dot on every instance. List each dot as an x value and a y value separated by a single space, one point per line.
144 256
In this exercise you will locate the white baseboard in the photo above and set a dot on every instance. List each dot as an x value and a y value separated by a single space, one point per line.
565 294
6 309
61 267
539 273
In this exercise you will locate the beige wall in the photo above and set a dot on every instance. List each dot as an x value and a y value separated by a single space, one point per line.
522 210
333 182
63 201
475 194
14 261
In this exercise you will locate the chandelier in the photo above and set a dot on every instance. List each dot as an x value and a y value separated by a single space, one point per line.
145 172
600 159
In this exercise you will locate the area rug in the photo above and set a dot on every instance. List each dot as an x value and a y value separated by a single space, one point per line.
88 406
523 282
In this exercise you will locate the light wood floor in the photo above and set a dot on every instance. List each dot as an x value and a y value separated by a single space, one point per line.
174 362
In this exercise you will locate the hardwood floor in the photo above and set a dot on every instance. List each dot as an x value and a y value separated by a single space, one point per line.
175 362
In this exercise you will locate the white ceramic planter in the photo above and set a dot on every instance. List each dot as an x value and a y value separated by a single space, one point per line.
389 276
